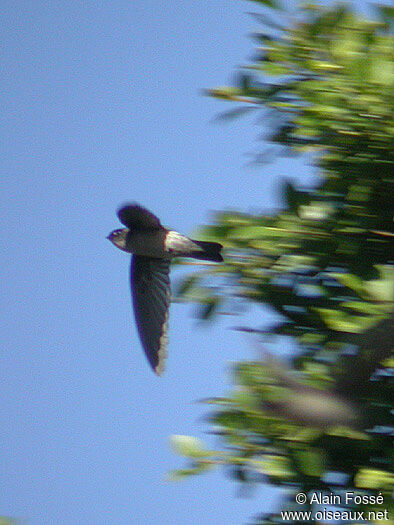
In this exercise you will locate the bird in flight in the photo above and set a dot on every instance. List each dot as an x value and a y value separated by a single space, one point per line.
153 247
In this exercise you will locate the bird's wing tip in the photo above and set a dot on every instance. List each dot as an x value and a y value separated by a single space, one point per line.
159 369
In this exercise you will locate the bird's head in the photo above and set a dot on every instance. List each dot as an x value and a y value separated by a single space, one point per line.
118 238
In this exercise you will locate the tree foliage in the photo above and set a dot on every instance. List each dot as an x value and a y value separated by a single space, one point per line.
324 81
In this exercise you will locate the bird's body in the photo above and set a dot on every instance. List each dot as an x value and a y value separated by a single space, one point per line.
153 247
150 244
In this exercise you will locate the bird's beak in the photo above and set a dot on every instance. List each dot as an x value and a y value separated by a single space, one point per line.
108 237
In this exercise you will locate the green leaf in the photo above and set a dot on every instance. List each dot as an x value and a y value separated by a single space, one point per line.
382 289
187 284
386 13
350 281
273 69
364 307
257 232
184 473
373 479
189 446
208 308
274 4
316 263
291 196
274 467
233 114
310 462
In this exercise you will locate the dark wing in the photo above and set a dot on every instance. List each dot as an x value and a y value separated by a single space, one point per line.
137 218
150 289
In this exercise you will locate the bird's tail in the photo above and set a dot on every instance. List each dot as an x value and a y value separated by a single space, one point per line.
211 251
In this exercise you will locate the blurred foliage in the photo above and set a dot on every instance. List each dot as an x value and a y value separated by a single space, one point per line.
323 80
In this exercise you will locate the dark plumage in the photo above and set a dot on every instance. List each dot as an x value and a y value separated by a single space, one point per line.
153 247
137 218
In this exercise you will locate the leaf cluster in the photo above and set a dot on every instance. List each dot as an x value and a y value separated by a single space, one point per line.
323 81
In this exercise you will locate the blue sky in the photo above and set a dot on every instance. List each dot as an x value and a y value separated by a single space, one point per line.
102 104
